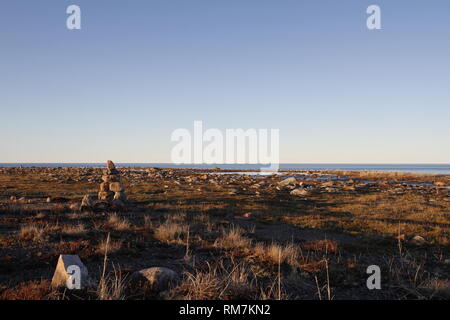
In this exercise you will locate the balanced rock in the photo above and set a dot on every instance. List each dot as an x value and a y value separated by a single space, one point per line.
71 273
156 279
112 188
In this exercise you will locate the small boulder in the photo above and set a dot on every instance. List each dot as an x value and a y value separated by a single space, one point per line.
299 192
418 240
66 273
156 279
287 182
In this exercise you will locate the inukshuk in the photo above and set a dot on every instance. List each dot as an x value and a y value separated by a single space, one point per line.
112 189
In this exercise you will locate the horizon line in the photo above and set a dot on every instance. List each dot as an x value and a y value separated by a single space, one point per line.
212 164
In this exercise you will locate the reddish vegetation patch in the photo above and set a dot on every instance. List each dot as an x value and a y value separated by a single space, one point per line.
32 290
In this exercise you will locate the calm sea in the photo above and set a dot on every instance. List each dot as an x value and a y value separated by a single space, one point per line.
415 168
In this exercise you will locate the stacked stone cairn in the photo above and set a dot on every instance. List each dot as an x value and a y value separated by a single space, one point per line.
112 189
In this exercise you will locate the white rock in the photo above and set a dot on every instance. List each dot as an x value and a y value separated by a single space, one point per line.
71 273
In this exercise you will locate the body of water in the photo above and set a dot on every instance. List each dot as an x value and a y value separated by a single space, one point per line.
414 168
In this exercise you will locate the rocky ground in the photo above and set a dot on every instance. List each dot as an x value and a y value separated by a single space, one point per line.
216 235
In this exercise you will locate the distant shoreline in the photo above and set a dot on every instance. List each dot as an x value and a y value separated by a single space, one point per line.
405 168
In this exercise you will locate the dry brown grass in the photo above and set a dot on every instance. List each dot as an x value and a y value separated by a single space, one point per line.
435 288
112 286
380 214
31 232
262 270
77 229
148 224
233 238
390 175
170 231
32 290
206 220
276 253
219 281
109 247
117 223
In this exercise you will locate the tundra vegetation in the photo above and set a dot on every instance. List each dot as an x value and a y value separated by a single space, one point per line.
228 236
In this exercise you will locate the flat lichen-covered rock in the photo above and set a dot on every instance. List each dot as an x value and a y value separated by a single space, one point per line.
156 278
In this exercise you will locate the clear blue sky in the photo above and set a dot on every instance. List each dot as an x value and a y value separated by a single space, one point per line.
140 69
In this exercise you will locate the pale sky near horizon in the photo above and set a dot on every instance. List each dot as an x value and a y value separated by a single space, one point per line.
137 70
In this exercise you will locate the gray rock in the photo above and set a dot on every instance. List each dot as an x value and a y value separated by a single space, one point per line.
156 279
287 182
